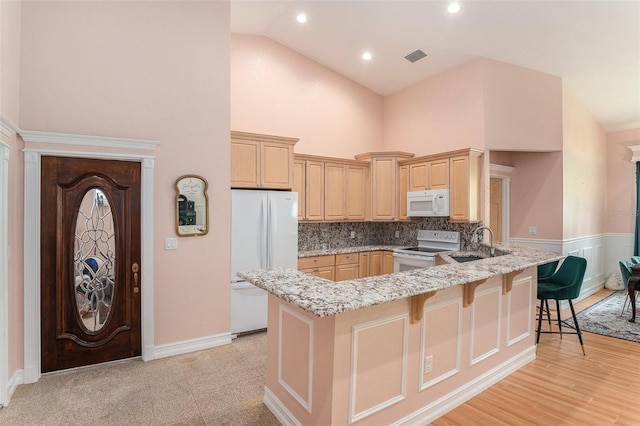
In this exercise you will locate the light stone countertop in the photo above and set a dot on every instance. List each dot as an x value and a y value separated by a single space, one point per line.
324 298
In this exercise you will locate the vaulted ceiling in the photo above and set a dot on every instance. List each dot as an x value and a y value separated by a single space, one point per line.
593 45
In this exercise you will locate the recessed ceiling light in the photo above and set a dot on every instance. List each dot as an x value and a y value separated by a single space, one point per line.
366 56
302 18
453 7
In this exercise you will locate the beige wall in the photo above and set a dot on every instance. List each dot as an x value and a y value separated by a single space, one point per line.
583 169
10 13
620 209
440 114
536 194
147 70
522 108
280 92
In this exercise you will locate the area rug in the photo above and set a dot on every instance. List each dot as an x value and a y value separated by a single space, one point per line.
604 318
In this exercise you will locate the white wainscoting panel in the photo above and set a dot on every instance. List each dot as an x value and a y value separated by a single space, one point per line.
485 334
519 310
616 248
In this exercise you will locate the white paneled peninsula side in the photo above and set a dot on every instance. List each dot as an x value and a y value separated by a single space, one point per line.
402 348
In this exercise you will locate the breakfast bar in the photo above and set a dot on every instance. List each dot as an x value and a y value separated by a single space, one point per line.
401 348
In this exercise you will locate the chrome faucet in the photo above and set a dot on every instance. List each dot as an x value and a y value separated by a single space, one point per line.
475 237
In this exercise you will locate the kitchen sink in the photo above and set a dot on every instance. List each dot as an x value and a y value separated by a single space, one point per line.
463 259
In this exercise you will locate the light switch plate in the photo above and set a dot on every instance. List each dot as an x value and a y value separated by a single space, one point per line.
533 230
170 243
353 234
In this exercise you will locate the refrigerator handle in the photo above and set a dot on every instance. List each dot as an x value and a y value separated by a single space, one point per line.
270 235
263 234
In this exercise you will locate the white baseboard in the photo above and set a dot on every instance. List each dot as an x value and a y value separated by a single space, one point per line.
193 345
278 409
443 405
17 379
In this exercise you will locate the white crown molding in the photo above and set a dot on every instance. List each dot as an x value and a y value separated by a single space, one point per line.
500 169
635 153
101 141
8 127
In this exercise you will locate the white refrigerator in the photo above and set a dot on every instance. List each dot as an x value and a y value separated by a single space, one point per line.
264 235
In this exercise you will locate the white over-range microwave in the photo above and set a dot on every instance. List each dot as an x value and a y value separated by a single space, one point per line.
428 203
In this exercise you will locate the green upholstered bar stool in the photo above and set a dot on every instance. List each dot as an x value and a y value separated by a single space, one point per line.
545 271
564 284
625 271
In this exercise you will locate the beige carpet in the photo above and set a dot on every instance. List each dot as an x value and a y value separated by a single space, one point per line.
220 386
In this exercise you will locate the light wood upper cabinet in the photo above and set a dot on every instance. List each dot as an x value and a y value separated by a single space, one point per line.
384 167
465 186
299 179
314 190
334 195
261 161
335 189
439 174
403 187
419 176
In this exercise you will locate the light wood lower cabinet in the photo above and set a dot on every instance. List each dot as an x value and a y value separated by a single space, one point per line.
320 266
347 266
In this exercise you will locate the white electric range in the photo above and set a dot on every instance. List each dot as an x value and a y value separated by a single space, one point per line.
430 243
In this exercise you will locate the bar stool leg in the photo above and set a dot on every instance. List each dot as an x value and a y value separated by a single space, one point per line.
575 320
546 304
559 320
540 313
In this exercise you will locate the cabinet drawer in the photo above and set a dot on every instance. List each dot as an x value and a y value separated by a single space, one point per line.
316 261
326 272
347 258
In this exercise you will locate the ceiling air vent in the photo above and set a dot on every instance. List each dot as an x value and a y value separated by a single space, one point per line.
415 56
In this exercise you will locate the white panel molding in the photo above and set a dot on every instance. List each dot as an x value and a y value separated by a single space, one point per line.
191 345
306 403
32 193
87 140
498 292
353 416
423 337
4 275
528 282
8 127
278 409
504 173
459 396
616 248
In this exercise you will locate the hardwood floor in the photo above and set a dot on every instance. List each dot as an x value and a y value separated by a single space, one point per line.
563 387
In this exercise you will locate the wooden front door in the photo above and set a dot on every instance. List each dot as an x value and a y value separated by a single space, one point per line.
90 262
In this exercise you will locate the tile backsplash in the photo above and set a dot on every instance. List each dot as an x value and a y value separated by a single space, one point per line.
316 236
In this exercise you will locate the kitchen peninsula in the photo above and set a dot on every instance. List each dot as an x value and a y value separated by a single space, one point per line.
400 348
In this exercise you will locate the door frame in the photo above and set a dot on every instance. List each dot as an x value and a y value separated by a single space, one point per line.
4 274
38 144
503 173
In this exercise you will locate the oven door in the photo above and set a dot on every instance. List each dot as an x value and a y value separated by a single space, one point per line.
403 262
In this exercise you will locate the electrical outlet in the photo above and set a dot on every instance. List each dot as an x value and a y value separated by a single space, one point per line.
397 234
533 230
353 234
428 364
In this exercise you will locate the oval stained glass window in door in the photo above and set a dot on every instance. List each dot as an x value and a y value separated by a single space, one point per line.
94 260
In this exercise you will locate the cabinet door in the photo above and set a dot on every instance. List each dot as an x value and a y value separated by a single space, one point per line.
314 197
384 189
276 165
364 264
346 272
459 197
387 262
334 192
439 174
356 192
418 177
403 187
245 163
375 263
299 186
